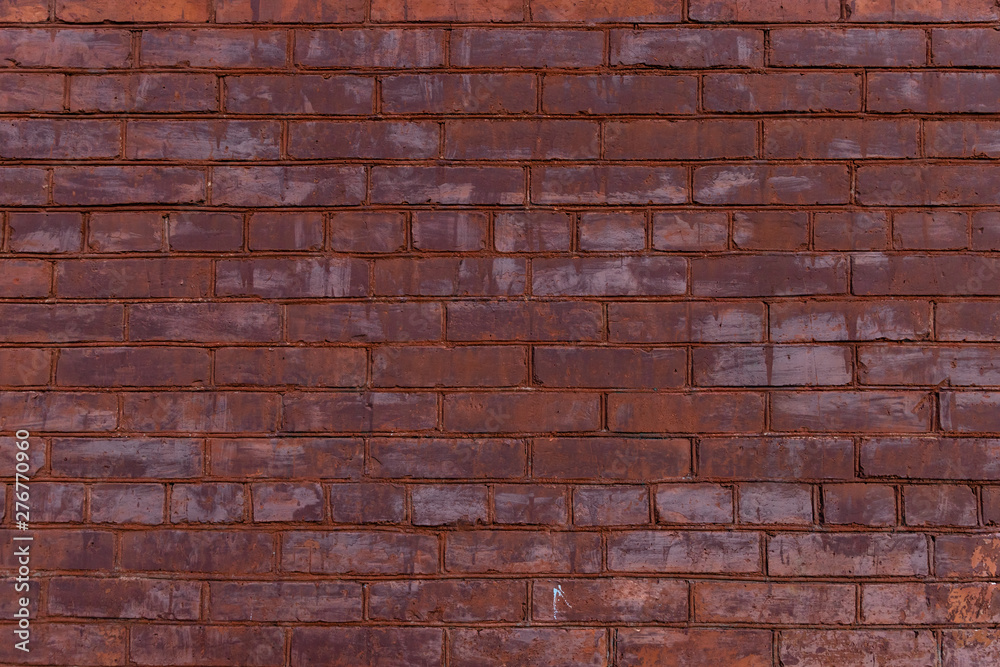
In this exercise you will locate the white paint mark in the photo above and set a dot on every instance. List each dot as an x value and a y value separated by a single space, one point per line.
557 592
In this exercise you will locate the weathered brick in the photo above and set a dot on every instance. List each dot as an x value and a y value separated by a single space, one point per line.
679 140
195 644
620 94
694 503
930 603
926 92
851 230
864 504
921 364
530 504
298 601
271 230
454 231
769 275
609 367
527 321
610 600
525 646
447 185
523 552
847 554
534 231
930 458
370 47
289 11
367 503
869 319
703 552
525 411
450 276
133 367
617 276
962 138
98 11
305 93
292 278
223 552
286 458
969 411
144 93
287 502
850 47
459 93
505 47
461 504
950 505
641 646
867 411
58 411
833 647
203 140
600 11
770 230
967 320
684 47
771 184
57 502
382 140
772 92
746 365
608 185
459 10
134 278
967 555
112 597
610 505
128 185
612 231
521 140
465 366
288 186
783 458
690 321
213 48
36 322
775 503
914 11
440 458
207 503
304 366
125 231
221 322
835 138
376 322
45 232
768 11
344 411
374 552
127 503
44 138
345 646
752 602
603 458
447 600
215 412
130 458
71 643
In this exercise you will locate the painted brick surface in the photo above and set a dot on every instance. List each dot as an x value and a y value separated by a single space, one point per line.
502 332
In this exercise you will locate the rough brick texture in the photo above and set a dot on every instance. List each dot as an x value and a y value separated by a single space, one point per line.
464 333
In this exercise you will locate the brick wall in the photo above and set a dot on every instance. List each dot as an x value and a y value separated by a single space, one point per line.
503 332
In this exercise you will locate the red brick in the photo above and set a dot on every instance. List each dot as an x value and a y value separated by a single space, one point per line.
967 320
197 644
223 552
775 503
370 47
812 91
930 603
951 138
98 11
914 11
133 367
343 647
553 321
766 11
357 322
612 231
440 458
43 138
618 276
144 93
924 274
459 93
528 646
606 367
448 276
851 230
30 92
868 319
25 278
693 231
864 504
382 140
746 365
890 647
71 643
931 458
288 186
296 601
521 140
130 458
372 552
37 323
292 278
312 94
627 459
526 48
64 549
702 412
134 278
700 552
531 504
686 47
613 600
770 230
694 503
458 10
610 505
920 364
698 321
26 366
835 138
606 11
637 647
449 231
344 411
967 555
153 599
127 503
286 458
769 275
771 184
752 602
213 48
852 47
790 459
847 554
314 367
620 94
284 231
367 503
22 185
868 411
24 11
58 411
939 505
461 504
680 140
289 11
930 230
447 185
525 411
45 232
450 601
522 552
206 503
969 411
927 92
534 231
125 231
203 140
287 502
991 505
608 185
57 503
221 322
128 185
215 412
467 366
